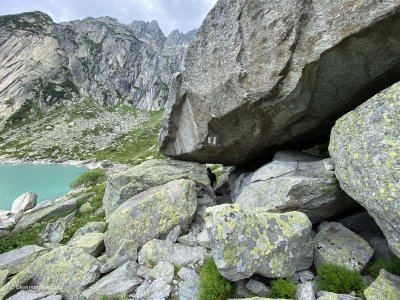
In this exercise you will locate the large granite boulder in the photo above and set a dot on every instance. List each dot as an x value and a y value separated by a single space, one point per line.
386 286
295 181
365 148
151 214
16 260
336 244
65 270
124 185
92 243
246 242
274 73
24 202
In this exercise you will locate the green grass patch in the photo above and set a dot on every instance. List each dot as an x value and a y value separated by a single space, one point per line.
82 218
90 178
283 288
390 265
337 279
213 286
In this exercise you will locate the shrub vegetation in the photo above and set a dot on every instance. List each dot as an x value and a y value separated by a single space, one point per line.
213 286
390 265
90 178
337 279
283 288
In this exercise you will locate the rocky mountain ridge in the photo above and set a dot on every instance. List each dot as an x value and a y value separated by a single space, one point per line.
43 63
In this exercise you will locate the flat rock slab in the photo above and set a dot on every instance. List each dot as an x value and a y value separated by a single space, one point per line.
24 202
336 244
16 260
365 149
246 242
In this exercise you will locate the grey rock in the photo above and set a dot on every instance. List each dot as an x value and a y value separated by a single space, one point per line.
386 286
381 248
190 286
54 232
33 295
24 202
305 291
89 228
127 251
257 288
333 296
156 290
69 269
365 148
245 242
179 255
144 272
298 182
305 276
16 260
203 239
189 239
174 234
151 214
117 284
335 244
92 243
124 185
163 270
284 80
360 222
241 290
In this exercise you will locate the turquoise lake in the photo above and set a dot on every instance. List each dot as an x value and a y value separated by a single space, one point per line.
48 181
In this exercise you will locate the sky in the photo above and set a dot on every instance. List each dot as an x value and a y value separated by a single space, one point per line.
184 15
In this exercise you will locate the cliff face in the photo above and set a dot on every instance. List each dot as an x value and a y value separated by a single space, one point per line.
99 58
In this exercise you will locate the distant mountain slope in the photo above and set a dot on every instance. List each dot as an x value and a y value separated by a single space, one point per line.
48 63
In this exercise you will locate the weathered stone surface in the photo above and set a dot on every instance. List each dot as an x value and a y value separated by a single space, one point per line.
57 208
92 243
190 286
89 228
360 222
245 242
386 286
127 251
54 232
189 239
174 234
126 184
32 295
24 202
65 270
177 254
203 239
117 284
305 276
335 244
365 148
381 248
257 288
164 270
16 260
295 181
333 296
152 213
3 277
284 80
305 291
158 289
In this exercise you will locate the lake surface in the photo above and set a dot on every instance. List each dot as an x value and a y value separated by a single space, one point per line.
48 181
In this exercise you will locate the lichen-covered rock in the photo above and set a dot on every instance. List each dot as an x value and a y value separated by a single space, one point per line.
92 243
203 239
179 255
117 284
33 295
365 148
151 214
16 260
127 251
284 80
164 270
89 228
257 288
66 270
305 291
54 232
189 239
174 234
190 286
386 286
24 202
246 242
3 277
336 244
158 289
124 185
295 181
